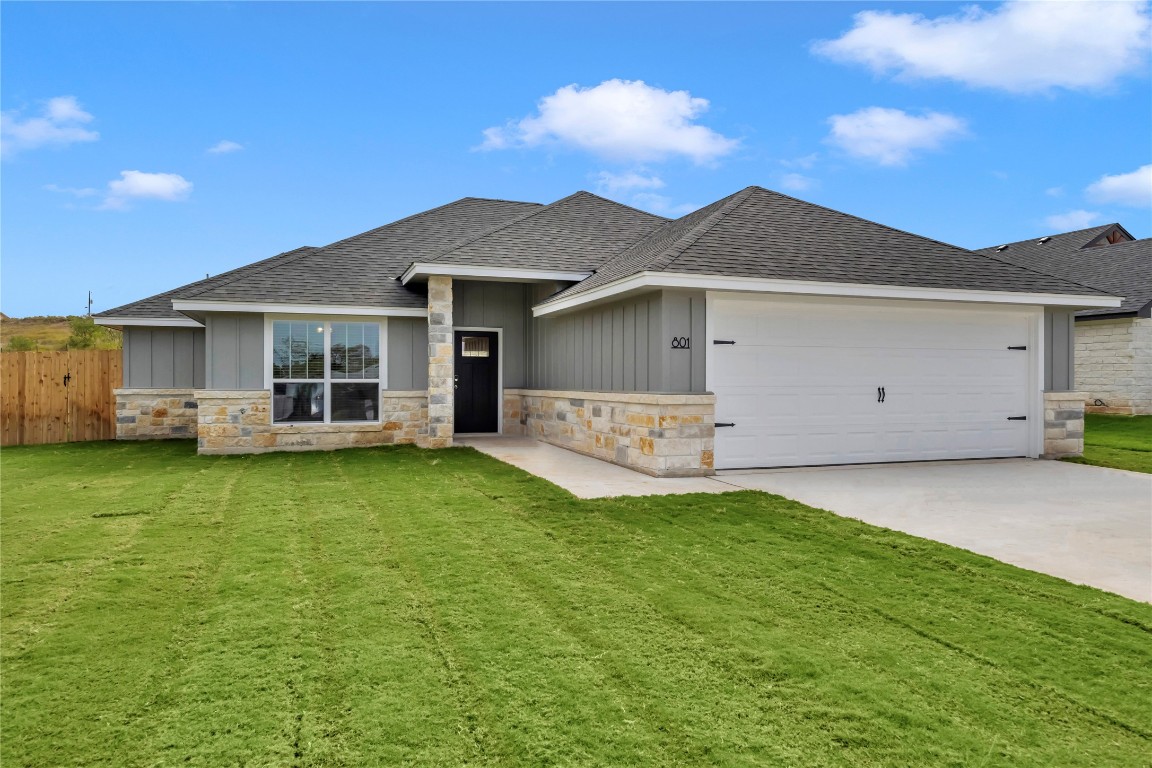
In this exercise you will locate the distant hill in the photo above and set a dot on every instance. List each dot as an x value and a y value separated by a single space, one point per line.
49 332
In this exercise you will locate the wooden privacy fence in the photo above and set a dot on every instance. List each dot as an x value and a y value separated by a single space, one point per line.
58 397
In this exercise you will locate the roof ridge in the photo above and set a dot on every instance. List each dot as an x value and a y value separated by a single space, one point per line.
622 205
1098 228
306 250
869 221
689 239
493 230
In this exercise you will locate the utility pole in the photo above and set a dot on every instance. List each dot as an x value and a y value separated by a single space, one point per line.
89 303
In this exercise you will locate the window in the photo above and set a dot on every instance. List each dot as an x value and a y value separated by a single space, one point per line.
325 372
474 346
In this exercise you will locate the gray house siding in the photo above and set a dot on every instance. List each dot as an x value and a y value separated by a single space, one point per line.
1059 350
235 345
624 346
407 353
482 304
163 358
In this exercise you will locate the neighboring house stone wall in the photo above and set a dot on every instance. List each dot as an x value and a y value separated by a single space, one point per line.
1063 424
155 414
664 435
1114 364
239 421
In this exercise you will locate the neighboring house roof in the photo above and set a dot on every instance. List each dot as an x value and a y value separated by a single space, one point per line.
575 234
160 305
362 270
757 233
1121 269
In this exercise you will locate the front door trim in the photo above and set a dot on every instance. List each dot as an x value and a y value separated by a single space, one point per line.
499 368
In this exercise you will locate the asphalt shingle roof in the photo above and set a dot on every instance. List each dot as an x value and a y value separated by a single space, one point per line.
1122 269
575 234
763 234
160 305
362 270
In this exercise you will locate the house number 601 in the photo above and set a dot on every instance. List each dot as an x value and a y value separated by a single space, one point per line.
681 342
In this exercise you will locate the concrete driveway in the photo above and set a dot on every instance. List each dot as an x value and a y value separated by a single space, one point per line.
1085 524
1088 525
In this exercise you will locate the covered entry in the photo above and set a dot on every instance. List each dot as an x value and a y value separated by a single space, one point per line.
806 381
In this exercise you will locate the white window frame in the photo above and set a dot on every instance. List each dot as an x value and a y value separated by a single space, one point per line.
327 320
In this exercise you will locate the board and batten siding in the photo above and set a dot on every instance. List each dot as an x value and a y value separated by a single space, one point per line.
1059 350
163 358
484 304
407 353
235 346
624 346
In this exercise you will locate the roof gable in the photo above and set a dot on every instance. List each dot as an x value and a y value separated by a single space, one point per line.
574 234
757 233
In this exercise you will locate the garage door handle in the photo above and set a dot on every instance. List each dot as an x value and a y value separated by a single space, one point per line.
881 395
724 424
722 341
1017 418
1021 349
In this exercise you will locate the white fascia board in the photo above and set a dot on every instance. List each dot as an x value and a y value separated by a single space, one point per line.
181 305
425 269
647 280
158 322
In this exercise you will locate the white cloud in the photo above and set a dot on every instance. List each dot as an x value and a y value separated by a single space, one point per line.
1054 191
1018 47
60 123
224 147
624 120
74 191
617 182
662 205
137 185
1066 222
805 162
797 182
1134 189
892 136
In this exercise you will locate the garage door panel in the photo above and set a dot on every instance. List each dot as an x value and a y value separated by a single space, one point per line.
800 383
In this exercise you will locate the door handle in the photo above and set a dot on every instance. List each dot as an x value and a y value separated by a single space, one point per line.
881 394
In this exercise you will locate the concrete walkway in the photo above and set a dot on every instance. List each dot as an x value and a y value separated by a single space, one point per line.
1088 525
583 476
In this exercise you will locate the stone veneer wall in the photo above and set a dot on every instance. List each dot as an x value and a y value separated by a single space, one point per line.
1114 364
441 364
155 414
239 421
1063 424
665 435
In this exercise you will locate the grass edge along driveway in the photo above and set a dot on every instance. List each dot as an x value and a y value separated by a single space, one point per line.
395 606
1119 442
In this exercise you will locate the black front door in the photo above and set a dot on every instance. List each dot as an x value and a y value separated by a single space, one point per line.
477 381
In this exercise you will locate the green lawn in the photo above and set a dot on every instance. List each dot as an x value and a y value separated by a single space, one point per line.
1121 442
397 606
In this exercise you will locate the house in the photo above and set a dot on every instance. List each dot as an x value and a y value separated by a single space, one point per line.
1113 345
760 330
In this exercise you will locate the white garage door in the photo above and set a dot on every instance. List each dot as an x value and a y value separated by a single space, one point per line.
811 382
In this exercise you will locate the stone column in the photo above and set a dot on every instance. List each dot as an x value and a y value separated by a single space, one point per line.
441 363
1063 424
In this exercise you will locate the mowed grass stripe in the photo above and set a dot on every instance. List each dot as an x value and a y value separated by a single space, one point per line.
397 606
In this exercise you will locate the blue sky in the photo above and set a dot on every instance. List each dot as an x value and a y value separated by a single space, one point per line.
974 127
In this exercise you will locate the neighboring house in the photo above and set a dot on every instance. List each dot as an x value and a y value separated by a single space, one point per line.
1113 351
758 331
